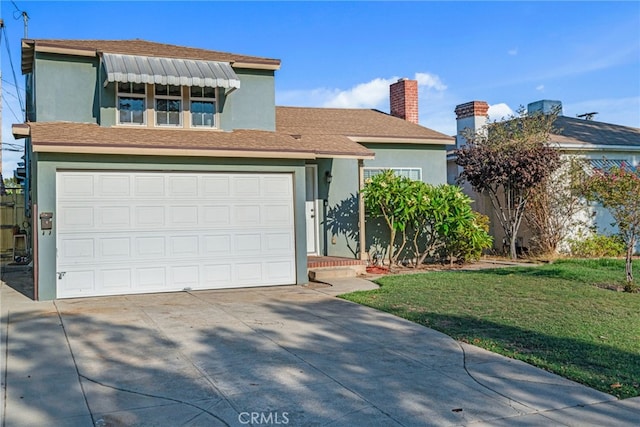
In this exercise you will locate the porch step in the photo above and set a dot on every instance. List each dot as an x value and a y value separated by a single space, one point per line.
320 274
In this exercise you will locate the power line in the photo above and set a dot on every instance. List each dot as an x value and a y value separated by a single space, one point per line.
6 104
13 70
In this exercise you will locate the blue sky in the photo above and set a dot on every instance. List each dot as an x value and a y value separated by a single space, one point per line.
345 54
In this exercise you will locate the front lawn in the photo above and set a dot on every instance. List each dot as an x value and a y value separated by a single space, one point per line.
559 317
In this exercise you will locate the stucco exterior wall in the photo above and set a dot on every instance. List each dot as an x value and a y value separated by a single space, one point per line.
253 105
70 88
65 88
48 164
339 225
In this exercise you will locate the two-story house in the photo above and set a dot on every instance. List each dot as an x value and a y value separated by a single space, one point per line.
155 168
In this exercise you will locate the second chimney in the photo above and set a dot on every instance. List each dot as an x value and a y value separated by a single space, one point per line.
403 96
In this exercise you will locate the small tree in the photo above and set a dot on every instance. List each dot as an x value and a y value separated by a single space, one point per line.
391 197
618 190
433 218
554 206
506 160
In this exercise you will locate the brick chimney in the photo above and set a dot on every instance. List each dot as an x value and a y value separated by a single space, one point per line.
403 96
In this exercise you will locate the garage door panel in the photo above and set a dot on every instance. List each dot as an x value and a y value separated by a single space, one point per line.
78 249
181 246
77 283
149 185
150 246
75 187
76 218
182 216
114 248
278 186
114 185
149 216
216 216
216 187
153 278
137 232
216 244
246 215
118 217
246 186
116 279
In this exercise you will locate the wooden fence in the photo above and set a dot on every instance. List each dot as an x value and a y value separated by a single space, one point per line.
14 227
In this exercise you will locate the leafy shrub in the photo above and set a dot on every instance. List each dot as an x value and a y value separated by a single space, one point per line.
434 220
597 246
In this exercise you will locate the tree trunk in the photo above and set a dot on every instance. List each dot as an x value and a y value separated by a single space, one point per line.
512 246
629 265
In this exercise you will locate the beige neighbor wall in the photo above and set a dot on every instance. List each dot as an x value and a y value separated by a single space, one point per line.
12 218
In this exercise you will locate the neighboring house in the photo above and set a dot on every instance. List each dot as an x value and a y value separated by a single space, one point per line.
602 144
153 168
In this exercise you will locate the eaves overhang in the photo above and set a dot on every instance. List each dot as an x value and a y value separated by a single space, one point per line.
400 140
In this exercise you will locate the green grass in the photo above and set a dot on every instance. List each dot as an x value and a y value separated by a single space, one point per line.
552 316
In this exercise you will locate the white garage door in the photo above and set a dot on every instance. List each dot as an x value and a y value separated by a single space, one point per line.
139 232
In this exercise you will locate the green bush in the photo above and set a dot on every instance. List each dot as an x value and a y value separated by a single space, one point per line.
597 246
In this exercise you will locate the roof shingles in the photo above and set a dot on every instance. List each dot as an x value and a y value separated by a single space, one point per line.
85 137
355 123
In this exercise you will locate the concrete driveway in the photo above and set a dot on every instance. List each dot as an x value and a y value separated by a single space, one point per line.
265 356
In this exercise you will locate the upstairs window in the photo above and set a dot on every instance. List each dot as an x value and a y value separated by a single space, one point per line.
131 103
203 107
168 105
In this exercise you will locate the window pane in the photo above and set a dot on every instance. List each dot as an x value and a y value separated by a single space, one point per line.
138 88
161 89
196 119
161 118
209 92
196 92
174 118
138 117
124 87
161 105
203 113
173 105
208 120
175 90
130 106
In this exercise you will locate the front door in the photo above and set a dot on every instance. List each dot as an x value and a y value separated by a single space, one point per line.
311 207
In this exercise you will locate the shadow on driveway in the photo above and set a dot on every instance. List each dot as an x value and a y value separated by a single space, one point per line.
285 354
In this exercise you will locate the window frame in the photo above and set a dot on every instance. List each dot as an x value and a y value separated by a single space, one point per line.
178 98
131 94
213 100
375 170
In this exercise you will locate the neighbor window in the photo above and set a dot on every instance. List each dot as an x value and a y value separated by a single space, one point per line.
411 173
203 106
168 105
131 103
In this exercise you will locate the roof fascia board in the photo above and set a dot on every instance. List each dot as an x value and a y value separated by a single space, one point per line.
256 66
596 147
65 50
20 130
400 140
92 149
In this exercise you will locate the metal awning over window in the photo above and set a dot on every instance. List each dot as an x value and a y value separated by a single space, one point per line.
169 71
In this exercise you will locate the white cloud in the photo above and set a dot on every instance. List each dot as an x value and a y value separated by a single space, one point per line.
436 110
363 95
500 111
430 81
540 88
513 52
371 94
